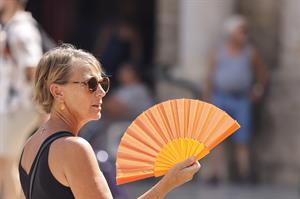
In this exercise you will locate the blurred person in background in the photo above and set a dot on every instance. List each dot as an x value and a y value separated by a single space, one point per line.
20 50
236 79
131 97
118 42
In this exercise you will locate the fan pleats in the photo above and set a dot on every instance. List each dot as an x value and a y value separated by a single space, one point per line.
169 133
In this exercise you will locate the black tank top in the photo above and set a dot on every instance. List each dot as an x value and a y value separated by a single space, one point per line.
45 185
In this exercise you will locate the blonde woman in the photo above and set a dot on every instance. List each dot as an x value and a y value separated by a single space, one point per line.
70 86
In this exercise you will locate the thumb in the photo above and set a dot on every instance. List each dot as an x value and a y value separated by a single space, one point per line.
186 163
193 168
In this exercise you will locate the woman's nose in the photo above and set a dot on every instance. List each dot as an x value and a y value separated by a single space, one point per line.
100 91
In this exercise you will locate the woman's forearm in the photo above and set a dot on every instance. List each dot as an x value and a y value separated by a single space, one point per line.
179 174
158 191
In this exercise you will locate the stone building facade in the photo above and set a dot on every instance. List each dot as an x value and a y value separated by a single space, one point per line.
187 29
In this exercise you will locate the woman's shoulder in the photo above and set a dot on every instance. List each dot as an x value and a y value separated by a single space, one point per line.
72 145
75 158
72 153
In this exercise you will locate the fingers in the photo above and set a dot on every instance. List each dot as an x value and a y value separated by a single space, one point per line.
182 172
193 168
186 163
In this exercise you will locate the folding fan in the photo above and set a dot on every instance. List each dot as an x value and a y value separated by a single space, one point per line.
168 133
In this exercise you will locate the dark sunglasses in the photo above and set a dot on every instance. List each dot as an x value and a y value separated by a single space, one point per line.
93 83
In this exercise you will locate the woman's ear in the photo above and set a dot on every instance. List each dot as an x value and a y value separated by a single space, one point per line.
56 92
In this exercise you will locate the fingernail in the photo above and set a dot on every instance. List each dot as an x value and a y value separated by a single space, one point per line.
199 166
192 158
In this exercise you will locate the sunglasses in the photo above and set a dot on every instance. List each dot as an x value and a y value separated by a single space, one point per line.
93 83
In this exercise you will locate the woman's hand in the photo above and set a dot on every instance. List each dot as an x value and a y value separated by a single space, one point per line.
176 176
181 173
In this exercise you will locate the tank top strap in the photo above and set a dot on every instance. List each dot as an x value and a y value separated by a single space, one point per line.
42 148
57 135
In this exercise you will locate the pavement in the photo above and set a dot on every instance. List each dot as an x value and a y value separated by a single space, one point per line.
194 190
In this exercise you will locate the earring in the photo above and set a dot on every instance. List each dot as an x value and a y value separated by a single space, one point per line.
62 106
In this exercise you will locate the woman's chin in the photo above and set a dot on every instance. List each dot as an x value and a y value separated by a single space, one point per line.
98 116
94 117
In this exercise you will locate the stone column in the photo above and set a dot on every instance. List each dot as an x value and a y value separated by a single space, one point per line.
200 24
264 19
279 145
186 30
167 32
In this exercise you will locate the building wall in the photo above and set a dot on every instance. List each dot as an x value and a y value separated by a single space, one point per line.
264 21
188 28
167 32
279 146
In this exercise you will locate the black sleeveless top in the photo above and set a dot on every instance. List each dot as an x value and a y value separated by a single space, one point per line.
45 185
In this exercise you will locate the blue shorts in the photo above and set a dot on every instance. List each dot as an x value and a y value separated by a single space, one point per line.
239 108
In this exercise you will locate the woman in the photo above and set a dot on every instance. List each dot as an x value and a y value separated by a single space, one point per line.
237 77
70 86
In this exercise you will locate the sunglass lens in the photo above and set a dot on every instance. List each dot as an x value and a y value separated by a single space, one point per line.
105 84
92 84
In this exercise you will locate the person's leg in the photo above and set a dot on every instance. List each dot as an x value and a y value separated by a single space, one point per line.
218 159
243 160
242 138
11 185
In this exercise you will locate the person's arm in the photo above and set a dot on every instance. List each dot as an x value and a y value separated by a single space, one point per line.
82 172
261 76
86 181
176 176
22 195
29 73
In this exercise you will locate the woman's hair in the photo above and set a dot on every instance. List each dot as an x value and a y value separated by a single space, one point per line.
55 67
233 22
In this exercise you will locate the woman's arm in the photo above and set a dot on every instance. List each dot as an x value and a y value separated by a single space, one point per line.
261 76
83 176
82 172
178 175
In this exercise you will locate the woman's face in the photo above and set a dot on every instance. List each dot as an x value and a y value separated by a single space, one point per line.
81 103
240 34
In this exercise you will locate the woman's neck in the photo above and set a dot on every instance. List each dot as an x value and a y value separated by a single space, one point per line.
234 48
61 122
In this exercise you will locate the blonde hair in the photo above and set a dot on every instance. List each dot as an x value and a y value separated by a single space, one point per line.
55 67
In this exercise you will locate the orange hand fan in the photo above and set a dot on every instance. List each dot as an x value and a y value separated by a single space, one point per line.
168 133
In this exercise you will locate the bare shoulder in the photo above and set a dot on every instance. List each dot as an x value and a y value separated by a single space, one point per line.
77 167
72 148
71 156
73 141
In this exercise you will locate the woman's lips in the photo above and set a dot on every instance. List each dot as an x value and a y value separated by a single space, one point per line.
97 106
